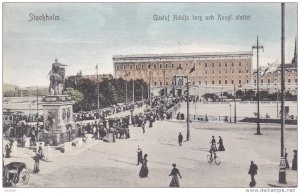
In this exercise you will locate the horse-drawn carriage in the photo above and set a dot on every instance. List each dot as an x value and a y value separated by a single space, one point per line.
15 173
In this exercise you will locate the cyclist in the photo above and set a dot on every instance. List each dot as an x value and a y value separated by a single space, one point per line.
213 148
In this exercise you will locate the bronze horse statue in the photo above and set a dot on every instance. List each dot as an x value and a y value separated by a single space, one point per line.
57 75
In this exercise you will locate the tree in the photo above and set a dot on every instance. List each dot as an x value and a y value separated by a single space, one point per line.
76 95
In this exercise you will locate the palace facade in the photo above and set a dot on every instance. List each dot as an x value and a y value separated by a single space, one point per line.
211 69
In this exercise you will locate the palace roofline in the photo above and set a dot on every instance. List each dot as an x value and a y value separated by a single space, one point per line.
202 54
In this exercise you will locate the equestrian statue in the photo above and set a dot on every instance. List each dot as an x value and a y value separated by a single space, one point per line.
57 78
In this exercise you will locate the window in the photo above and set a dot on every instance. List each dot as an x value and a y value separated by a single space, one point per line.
240 71
205 71
261 81
155 83
219 64
295 80
232 71
205 64
226 64
225 71
136 66
289 80
206 82
142 66
240 82
247 71
220 72
160 83
213 71
269 81
124 67
130 66
167 83
200 82
213 65
160 66
172 65
225 81
231 63
220 82
179 66
254 81
212 82
247 81
240 64
232 81
193 82
149 66
154 65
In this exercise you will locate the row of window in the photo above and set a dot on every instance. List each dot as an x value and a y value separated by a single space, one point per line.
269 81
212 82
172 66
232 71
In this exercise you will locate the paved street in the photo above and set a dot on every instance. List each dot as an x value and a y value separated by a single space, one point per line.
114 164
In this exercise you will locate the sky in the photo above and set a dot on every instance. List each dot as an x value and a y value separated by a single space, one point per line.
88 34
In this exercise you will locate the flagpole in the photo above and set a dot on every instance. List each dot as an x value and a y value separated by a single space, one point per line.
97 88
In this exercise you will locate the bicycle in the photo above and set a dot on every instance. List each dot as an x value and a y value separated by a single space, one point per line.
216 158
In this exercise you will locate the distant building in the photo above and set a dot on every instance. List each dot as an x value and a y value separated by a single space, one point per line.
271 79
101 77
218 69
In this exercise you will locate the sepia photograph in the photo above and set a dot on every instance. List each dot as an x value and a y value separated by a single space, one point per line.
150 95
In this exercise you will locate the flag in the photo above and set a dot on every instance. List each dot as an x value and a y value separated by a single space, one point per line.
192 69
127 74
96 67
179 67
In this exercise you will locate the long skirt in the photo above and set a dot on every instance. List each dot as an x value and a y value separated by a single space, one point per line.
143 172
221 148
174 181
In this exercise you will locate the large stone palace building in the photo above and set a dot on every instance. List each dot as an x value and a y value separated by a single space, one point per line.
217 69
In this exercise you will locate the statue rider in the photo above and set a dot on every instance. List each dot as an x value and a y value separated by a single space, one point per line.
57 75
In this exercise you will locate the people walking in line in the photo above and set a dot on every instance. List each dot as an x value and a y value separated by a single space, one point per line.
221 146
294 165
252 171
139 155
180 138
174 172
144 169
287 165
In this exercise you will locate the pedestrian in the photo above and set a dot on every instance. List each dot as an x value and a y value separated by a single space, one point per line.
139 155
294 165
221 146
252 171
144 169
143 126
287 165
7 150
174 172
180 138
36 159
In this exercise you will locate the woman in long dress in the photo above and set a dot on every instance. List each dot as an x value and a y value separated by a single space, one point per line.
294 165
221 146
144 168
174 172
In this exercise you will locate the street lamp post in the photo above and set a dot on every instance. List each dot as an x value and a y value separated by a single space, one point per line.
234 104
230 112
258 46
282 173
188 111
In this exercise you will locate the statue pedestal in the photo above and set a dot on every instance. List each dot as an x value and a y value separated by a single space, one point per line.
59 126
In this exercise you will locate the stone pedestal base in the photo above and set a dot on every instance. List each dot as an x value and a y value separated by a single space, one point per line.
58 138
